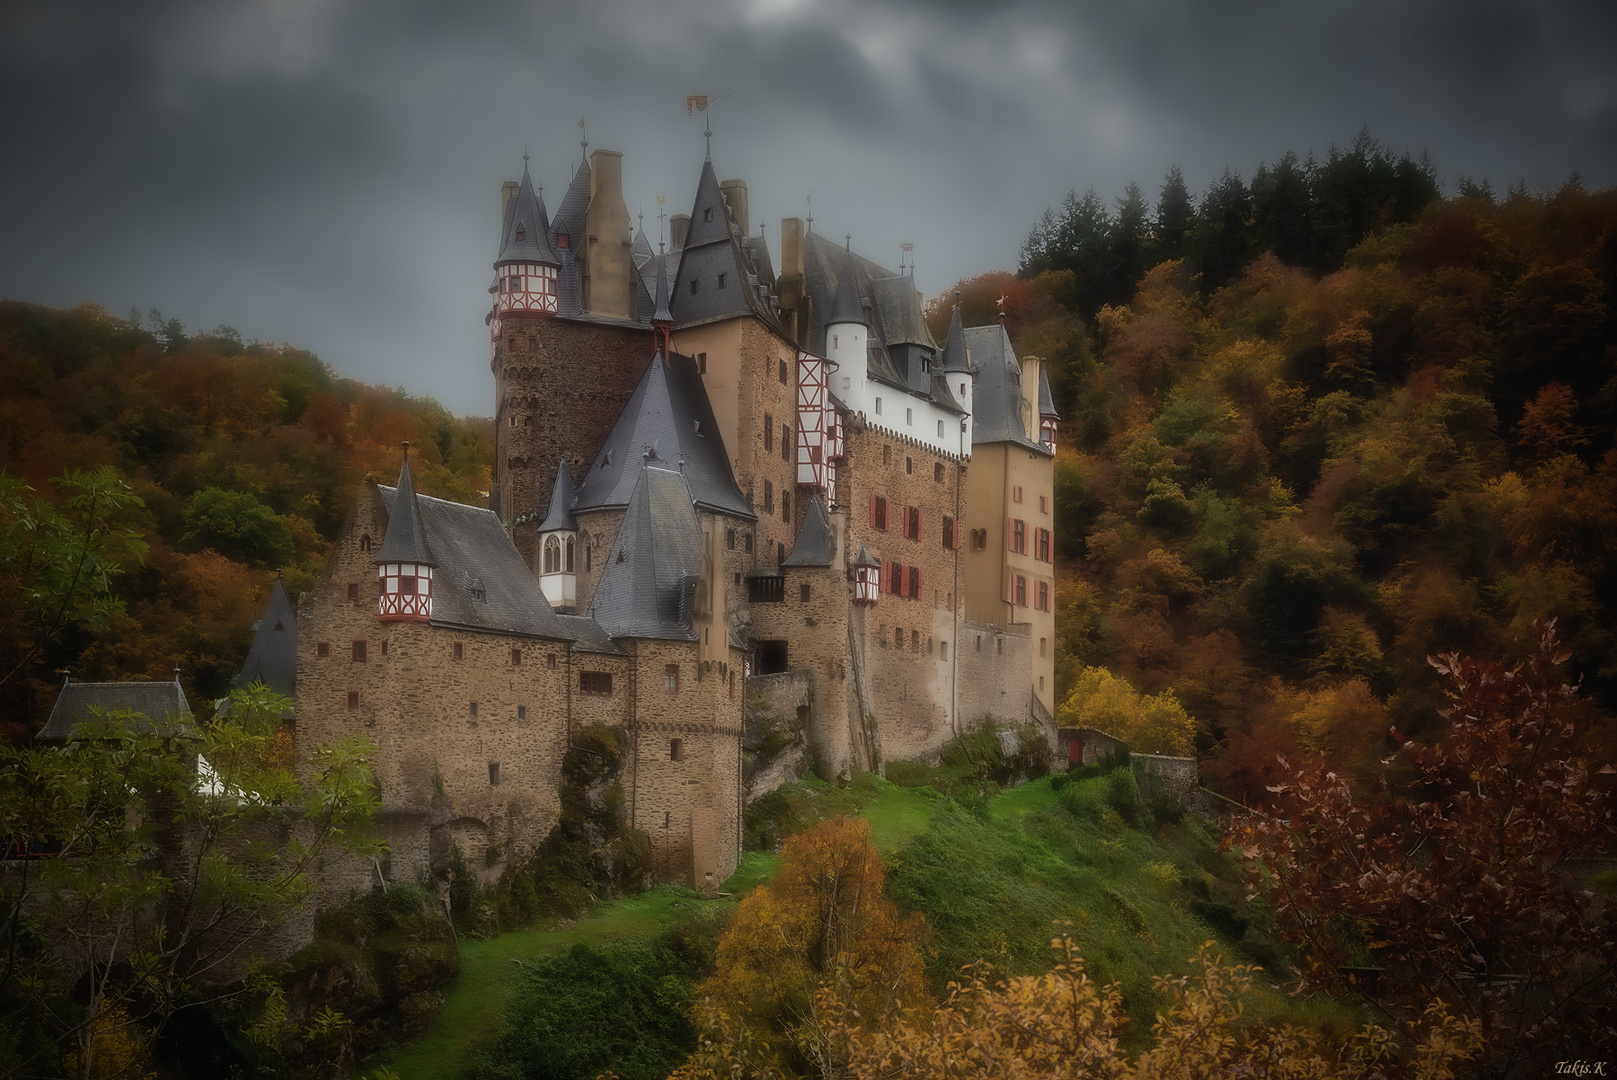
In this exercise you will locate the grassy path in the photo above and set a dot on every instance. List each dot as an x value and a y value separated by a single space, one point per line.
477 998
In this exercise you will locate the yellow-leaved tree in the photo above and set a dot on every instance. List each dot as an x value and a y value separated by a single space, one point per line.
1157 724
817 954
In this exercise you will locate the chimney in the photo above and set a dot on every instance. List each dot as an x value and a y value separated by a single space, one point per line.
508 195
789 285
735 193
606 228
678 226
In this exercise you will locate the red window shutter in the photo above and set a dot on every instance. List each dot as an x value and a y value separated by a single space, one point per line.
919 529
873 511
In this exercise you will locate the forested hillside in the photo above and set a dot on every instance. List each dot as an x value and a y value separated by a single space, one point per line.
1335 425
239 459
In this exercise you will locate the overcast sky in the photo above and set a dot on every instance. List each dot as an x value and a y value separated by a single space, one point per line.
326 172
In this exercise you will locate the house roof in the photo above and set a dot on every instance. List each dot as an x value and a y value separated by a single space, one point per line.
273 657
715 248
815 545
866 558
525 237
660 312
84 702
481 581
588 636
560 515
846 307
669 420
648 587
956 357
996 400
405 541
640 249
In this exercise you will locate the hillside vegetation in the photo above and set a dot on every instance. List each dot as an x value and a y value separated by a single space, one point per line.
244 459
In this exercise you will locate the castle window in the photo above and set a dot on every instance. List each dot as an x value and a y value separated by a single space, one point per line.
567 560
701 363
979 539
940 429
562 240
698 424
729 539
886 454
912 522
1016 493
676 752
1043 602
459 651
948 532
707 214
323 649
693 287
1044 504
979 643
722 278
1041 545
353 700
595 682
786 442
1019 537
878 512
937 473
784 380
785 507
898 637
359 652
909 417
588 558
769 432
747 542
772 657
1021 591
384 646
471 710
522 714
552 556
878 406
668 816
914 582
494 774
516 657
769 497
671 679
1044 643
909 466
943 651
365 542
353 590
550 661
527 421
533 343
803 592
780 552
999 646
732 685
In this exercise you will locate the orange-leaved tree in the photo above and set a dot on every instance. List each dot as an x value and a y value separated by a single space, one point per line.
817 953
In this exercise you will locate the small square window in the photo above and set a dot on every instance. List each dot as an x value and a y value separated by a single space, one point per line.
358 653
353 590
471 710
937 473
909 466
516 657
384 646
533 343
550 661
803 592
693 287
353 699
494 774
729 539
722 279
676 752
671 679
784 380
701 363
909 417
323 649
522 714
460 651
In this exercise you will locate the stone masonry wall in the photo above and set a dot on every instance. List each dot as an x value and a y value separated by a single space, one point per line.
815 630
488 727
912 684
559 387
993 673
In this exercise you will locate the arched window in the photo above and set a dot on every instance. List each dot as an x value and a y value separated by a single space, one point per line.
552 560
569 559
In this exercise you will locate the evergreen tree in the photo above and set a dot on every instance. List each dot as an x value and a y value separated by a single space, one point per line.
1220 243
1283 211
1130 244
1175 215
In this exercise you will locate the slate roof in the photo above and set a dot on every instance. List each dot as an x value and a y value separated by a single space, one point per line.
648 587
78 702
846 307
669 415
273 657
560 515
899 339
574 205
866 558
405 541
526 215
713 247
660 312
588 636
640 251
996 400
481 582
815 545
1047 403
956 357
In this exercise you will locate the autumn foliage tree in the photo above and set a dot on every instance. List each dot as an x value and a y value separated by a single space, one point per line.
813 955
1463 883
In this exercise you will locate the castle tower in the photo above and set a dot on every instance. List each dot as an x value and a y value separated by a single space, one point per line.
404 565
957 366
847 336
558 536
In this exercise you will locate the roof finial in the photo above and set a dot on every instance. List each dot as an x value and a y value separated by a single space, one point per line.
176 676
847 241
661 201
708 132
583 137
810 213
406 445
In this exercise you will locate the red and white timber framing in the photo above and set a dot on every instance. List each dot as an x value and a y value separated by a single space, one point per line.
404 592
819 432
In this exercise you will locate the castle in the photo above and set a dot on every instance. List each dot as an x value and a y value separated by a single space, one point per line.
725 494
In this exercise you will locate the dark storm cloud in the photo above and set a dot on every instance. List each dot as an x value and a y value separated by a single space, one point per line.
325 171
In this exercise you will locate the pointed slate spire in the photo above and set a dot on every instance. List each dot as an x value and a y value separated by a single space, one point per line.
527 229
273 657
815 545
866 559
560 516
955 356
1047 401
406 540
652 568
710 220
662 320
846 307
640 250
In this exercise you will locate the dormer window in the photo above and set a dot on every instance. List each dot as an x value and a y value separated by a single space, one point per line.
722 278
561 239
707 214
404 592
522 230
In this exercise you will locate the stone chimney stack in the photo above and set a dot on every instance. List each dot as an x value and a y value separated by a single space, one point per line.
735 193
678 226
508 192
607 260
794 301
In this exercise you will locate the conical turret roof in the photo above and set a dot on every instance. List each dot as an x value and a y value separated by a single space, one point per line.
815 545
661 316
955 355
527 229
648 587
406 540
866 558
846 307
560 516
1047 401
273 657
